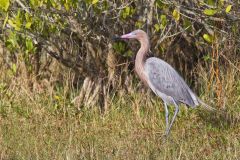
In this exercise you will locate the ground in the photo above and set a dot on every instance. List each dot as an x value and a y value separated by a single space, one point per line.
38 127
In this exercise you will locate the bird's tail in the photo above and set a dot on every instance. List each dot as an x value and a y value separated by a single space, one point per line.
206 106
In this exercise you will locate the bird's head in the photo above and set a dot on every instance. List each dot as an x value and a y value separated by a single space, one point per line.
137 34
140 35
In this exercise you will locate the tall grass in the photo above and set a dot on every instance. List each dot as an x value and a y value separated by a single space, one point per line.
47 125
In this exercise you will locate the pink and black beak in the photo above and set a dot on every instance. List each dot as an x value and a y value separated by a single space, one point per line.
125 36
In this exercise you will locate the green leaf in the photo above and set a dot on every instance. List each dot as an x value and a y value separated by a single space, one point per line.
12 41
206 57
16 22
210 12
36 3
29 21
120 47
139 24
160 4
28 25
67 7
126 12
94 1
187 23
10 22
4 4
228 9
14 25
5 21
163 21
29 45
211 2
14 68
51 3
129 53
208 38
176 14
157 27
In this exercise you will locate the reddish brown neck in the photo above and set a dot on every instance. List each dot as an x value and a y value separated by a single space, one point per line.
141 57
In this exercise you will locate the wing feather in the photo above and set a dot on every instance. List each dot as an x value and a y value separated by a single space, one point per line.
163 78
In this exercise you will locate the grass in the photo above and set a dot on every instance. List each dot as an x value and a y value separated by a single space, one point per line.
46 125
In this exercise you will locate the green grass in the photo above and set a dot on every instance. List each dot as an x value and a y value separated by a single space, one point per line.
37 126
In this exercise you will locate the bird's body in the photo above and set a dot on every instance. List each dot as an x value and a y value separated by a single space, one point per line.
162 78
167 83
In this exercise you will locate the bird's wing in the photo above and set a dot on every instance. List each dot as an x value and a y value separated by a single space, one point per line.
163 78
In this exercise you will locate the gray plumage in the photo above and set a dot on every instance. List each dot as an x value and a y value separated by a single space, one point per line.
166 82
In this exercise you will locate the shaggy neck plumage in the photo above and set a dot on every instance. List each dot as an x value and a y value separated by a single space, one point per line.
141 56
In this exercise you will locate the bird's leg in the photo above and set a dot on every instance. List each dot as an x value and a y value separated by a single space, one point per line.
166 115
174 116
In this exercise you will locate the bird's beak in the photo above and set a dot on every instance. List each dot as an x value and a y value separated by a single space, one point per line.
115 38
127 36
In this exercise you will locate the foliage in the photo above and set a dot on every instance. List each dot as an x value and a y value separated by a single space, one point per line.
78 35
59 64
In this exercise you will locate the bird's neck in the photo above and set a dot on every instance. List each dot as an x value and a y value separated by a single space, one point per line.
141 57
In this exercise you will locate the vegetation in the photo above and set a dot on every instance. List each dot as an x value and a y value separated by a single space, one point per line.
67 91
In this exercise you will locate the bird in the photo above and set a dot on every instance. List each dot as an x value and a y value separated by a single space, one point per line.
162 78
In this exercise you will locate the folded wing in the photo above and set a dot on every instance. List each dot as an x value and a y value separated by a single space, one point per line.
164 79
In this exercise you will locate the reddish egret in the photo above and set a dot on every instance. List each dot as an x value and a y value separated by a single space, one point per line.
164 81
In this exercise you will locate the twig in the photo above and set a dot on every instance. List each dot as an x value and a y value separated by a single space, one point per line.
150 15
23 6
230 62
